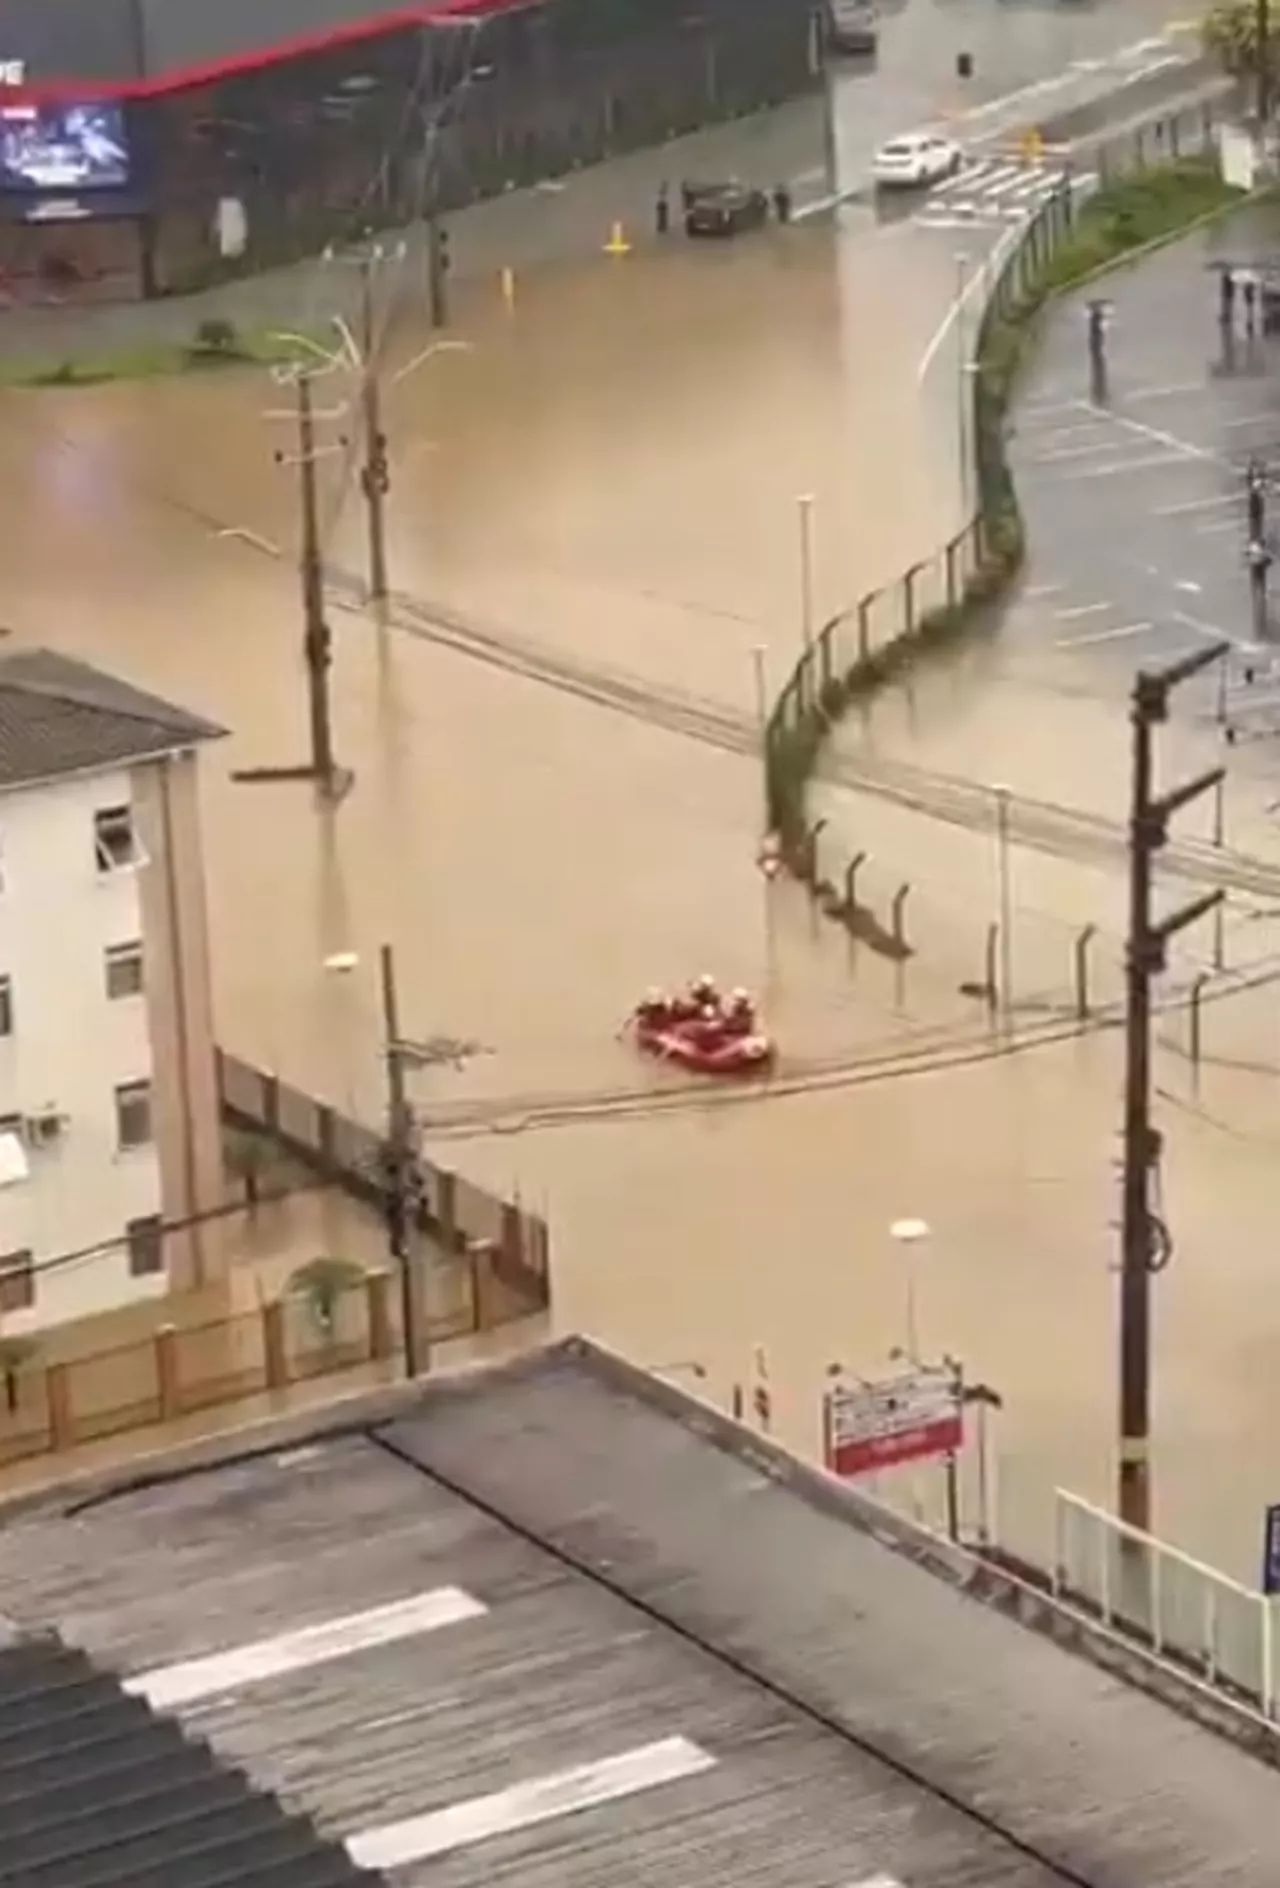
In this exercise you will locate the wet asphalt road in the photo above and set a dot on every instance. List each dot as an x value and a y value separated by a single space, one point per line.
1135 507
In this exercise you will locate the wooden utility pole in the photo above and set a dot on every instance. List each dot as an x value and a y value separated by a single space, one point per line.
1262 27
375 475
1145 1247
402 1167
317 640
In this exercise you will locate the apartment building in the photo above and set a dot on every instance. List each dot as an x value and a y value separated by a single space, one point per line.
108 1096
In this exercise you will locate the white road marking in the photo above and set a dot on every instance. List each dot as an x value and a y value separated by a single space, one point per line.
1216 530
1080 609
1192 589
525 1805
1125 465
172 1685
1041 590
1204 629
1196 504
1104 635
977 281
1099 444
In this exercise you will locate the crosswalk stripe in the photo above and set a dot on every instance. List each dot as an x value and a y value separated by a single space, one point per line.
526 1805
171 1686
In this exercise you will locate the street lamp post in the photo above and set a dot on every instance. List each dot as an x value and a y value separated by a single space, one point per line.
962 377
907 1234
804 509
1005 888
403 1169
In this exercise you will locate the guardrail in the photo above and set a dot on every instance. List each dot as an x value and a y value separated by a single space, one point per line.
862 647
866 645
1219 1630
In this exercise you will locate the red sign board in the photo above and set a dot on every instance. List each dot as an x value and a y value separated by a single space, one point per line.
908 1418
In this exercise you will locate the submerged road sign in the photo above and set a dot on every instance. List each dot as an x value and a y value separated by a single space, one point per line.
907 1418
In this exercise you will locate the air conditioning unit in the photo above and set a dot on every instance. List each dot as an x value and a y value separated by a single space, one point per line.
44 1128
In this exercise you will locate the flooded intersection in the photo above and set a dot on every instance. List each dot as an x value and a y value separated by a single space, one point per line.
610 477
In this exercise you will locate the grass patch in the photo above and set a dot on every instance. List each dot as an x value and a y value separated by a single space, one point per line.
213 346
1119 220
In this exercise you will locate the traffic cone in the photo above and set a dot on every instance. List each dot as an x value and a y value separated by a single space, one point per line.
617 244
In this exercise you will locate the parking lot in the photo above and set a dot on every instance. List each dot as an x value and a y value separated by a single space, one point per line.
1135 505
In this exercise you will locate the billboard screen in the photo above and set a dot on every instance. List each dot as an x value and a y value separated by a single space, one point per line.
63 147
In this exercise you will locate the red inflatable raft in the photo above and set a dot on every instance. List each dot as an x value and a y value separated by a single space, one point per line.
703 1047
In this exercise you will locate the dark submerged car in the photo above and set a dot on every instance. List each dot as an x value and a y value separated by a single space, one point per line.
723 209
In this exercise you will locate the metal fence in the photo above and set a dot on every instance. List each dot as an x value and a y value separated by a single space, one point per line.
1218 1630
455 1214
865 644
862 645
180 1368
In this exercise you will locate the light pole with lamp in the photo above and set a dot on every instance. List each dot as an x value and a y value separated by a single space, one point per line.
1004 882
403 1173
908 1234
804 511
962 381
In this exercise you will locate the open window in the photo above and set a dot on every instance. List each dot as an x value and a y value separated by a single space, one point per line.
115 841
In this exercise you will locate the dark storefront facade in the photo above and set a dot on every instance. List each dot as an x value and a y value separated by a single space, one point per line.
155 146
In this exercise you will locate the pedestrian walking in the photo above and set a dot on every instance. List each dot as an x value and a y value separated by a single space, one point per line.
1259 567
782 203
662 209
1257 501
1227 297
1249 294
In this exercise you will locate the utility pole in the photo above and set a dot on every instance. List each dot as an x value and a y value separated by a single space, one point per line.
1145 1247
1262 27
375 476
317 639
402 1166
438 266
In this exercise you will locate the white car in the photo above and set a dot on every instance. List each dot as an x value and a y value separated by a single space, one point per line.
910 163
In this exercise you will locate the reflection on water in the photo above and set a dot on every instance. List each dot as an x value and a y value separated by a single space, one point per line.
613 471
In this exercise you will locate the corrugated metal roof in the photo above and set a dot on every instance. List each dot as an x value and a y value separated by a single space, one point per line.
97 1792
864 1717
60 716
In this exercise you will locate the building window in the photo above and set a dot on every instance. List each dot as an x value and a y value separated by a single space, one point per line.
6 1006
17 1281
124 970
133 1115
114 839
146 1246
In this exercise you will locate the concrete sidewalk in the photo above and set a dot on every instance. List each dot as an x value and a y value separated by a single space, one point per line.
554 224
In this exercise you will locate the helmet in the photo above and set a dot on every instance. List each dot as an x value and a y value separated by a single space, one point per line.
741 997
653 997
704 982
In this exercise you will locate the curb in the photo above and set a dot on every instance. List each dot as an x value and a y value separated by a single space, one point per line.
1030 321
1130 257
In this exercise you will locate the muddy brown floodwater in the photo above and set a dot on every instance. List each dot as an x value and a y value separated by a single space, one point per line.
612 472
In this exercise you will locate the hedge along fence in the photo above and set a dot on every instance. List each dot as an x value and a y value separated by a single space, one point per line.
951 595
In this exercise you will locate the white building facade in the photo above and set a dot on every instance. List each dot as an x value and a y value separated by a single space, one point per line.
109 1140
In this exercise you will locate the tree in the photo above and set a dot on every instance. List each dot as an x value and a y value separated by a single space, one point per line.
321 1284
247 1158
1229 34
15 1352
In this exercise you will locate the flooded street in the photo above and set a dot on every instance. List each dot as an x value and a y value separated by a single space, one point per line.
610 476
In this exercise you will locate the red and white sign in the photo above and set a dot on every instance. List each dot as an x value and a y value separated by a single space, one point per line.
908 1418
